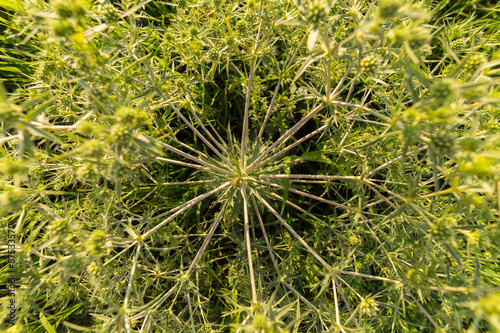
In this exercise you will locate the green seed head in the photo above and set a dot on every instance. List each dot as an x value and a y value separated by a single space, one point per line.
368 307
9 112
95 242
241 27
110 13
441 232
12 198
63 29
259 323
368 65
442 143
411 134
86 172
316 13
442 91
474 62
415 35
125 115
121 134
193 31
119 171
387 9
458 44
213 55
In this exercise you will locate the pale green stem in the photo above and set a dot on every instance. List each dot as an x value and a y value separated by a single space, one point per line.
422 308
129 287
270 250
185 207
177 151
337 313
203 247
345 300
217 143
416 151
298 142
271 105
310 196
186 146
244 135
285 137
300 209
247 241
187 122
299 176
189 165
310 249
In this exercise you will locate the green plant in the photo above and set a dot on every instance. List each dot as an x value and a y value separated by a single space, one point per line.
261 166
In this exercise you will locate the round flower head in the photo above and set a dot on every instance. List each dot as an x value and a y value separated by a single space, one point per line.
368 65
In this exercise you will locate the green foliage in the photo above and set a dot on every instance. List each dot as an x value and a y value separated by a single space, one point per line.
260 166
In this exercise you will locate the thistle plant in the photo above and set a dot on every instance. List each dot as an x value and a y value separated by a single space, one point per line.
260 166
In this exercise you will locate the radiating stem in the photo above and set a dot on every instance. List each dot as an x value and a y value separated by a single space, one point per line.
422 308
203 247
244 135
345 300
416 151
269 109
303 242
247 241
187 122
177 151
129 287
337 314
185 207
189 165
285 136
298 142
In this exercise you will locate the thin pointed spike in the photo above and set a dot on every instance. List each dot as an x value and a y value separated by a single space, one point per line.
179 210
173 210
198 256
286 136
187 183
345 301
273 259
205 129
337 312
177 151
341 82
299 176
288 202
266 239
203 247
298 142
247 241
129 288
416 151
271 105
189 165
244 135
187 122
192 203
423 309
309 196
187 147
379 278
131 278
302 241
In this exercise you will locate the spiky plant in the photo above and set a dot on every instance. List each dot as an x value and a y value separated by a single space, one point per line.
267 167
